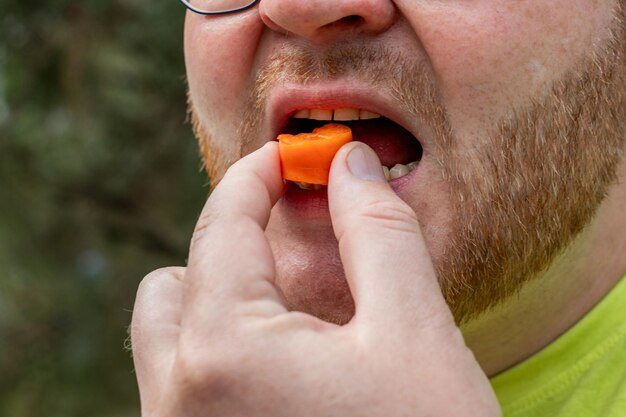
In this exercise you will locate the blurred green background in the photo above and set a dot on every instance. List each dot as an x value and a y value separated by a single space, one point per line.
100 183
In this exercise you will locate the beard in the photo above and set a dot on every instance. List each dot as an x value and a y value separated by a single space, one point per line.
522 196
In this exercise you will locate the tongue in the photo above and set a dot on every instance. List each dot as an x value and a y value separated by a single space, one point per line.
392 143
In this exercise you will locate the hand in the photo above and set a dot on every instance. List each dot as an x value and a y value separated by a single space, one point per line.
215 339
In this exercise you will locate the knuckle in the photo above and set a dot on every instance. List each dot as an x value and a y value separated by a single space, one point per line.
151 285
390 215
150 292
206 371
202 226
211 222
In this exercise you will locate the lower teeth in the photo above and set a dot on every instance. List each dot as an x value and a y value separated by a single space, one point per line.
307 186
397 171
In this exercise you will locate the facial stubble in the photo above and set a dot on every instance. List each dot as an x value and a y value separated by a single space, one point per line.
526 192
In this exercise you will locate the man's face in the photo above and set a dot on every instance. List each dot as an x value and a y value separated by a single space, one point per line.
512 109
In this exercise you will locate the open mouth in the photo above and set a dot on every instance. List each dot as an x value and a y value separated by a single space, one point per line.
398 150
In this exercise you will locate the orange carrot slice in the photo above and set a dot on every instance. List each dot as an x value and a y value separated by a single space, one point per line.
306 157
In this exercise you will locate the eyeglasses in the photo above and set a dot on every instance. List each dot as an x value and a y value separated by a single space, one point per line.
211 7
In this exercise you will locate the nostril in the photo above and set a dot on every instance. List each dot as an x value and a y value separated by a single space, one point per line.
324 20
346 22
351 20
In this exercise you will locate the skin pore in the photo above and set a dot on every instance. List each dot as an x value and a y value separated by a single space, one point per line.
521 107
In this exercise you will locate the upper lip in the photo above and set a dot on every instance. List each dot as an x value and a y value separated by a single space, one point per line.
283 102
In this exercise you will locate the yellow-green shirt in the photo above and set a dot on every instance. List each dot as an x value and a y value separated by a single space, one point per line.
581 374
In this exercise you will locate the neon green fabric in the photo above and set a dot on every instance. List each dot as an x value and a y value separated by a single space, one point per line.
581 374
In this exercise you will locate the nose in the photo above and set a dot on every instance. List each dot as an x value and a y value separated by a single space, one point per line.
319 20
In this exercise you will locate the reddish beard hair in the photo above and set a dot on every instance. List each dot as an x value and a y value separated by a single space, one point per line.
522 197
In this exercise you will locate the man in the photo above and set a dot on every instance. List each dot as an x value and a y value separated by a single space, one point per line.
300 302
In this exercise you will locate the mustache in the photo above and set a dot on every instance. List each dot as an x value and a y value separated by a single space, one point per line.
303 64
407 78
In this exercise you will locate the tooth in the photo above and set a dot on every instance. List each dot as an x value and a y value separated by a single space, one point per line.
411 165
308 186
321 114
398 171
346 114
386 172
302 114
364 114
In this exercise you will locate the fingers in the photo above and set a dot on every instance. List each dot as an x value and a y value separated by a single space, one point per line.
230 258
385 259
155 329
247 192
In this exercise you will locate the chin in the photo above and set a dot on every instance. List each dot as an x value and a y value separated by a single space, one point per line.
321 292
309 272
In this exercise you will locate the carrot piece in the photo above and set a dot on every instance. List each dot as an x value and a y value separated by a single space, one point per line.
306 157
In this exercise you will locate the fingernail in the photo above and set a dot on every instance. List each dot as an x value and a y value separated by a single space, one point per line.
364 164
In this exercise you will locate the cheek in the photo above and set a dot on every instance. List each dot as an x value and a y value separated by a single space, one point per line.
491 56
219 54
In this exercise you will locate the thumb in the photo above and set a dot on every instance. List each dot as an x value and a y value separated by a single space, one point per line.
384 256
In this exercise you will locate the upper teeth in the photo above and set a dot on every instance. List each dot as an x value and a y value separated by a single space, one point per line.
345 114
335 114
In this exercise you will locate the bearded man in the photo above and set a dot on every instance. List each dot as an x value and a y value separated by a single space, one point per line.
482 277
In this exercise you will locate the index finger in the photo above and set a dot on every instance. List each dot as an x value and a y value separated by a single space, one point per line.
249 190
230 258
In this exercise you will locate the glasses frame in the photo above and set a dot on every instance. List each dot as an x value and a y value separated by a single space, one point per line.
203 12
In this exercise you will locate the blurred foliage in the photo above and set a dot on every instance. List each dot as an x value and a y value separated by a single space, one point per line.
100 183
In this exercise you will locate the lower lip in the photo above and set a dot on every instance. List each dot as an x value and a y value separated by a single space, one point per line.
308 204
312 204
